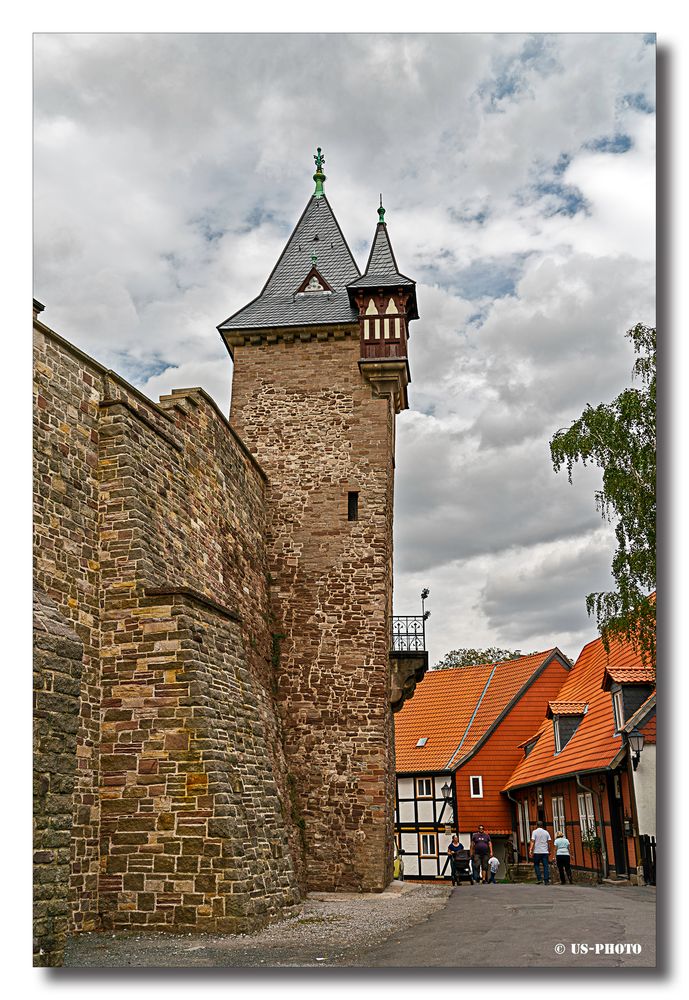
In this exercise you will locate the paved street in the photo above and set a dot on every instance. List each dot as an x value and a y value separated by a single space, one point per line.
508 926
520 925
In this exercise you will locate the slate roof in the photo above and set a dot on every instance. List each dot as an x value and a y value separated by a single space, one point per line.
595 744
382 266
277 303
456 709
644 719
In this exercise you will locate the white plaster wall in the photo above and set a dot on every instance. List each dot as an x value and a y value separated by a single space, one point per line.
425 809
409 843
645 790
406 812
405 788
411 866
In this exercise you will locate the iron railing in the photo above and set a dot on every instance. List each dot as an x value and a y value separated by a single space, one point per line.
409 633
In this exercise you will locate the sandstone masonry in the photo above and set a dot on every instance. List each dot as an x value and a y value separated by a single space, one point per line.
149 538
214 680
310 418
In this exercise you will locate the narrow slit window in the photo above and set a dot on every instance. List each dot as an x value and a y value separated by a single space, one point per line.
352 506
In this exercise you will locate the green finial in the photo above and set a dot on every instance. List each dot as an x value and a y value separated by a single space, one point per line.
381 211
319 176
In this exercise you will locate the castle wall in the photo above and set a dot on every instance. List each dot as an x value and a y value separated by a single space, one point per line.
309 417
150 524
57 665
66 394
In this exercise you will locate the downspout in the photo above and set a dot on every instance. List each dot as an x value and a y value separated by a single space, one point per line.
596 798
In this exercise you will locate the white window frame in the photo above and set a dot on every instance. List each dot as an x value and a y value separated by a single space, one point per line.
424 783
556 734
558 807
428 845
587 816
618 709
472 779
520 820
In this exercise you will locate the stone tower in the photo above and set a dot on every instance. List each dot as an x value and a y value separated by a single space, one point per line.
320 372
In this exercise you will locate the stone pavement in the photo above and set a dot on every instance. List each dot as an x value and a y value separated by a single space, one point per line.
527 925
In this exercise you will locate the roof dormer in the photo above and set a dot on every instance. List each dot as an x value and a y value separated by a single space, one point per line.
567 717
314 283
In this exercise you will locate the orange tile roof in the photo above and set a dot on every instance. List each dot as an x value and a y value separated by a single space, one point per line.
629 674
594 744
649 730
566 708
455 708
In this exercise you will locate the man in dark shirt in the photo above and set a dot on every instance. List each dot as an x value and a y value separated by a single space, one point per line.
481 850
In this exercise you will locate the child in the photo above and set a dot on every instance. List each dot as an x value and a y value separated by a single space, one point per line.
493 865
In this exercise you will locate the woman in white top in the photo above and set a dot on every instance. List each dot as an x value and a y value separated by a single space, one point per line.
562 858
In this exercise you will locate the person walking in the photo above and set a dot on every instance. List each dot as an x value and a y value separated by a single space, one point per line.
481 850
493 865
562 857
453 851
539 852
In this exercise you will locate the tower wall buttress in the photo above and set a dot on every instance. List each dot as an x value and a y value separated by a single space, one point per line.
311 420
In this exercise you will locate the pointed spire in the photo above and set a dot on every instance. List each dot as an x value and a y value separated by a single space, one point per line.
319 176
381 211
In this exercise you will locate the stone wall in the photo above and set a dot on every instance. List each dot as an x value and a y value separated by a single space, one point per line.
304 410
57 665
150 527
66 393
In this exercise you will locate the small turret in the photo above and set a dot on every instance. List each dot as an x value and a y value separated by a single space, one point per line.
386 302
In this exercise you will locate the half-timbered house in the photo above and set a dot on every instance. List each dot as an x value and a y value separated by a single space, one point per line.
577 768
456 744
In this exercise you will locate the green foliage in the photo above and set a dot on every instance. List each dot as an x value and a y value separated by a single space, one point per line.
470 657
620 437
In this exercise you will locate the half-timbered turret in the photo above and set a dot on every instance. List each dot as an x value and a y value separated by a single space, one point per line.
386 302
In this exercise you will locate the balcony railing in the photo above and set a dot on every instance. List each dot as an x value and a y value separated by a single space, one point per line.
409 633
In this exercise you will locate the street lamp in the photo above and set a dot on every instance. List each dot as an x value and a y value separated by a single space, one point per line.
447 791
636 745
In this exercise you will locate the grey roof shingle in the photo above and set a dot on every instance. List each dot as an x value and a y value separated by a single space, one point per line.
382 266
317 232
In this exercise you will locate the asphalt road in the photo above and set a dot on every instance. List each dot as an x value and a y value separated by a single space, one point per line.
527 925
414 926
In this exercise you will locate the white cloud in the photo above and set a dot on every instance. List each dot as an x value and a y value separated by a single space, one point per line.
170 169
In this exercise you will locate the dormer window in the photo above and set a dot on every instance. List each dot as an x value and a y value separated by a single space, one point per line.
566 716
314 284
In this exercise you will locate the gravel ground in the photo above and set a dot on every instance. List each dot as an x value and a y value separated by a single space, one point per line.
329 928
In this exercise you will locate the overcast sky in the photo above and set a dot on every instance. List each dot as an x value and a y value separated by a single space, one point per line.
518 176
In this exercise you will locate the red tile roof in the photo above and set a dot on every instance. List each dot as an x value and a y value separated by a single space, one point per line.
629 674
594 744
455 709
566 708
